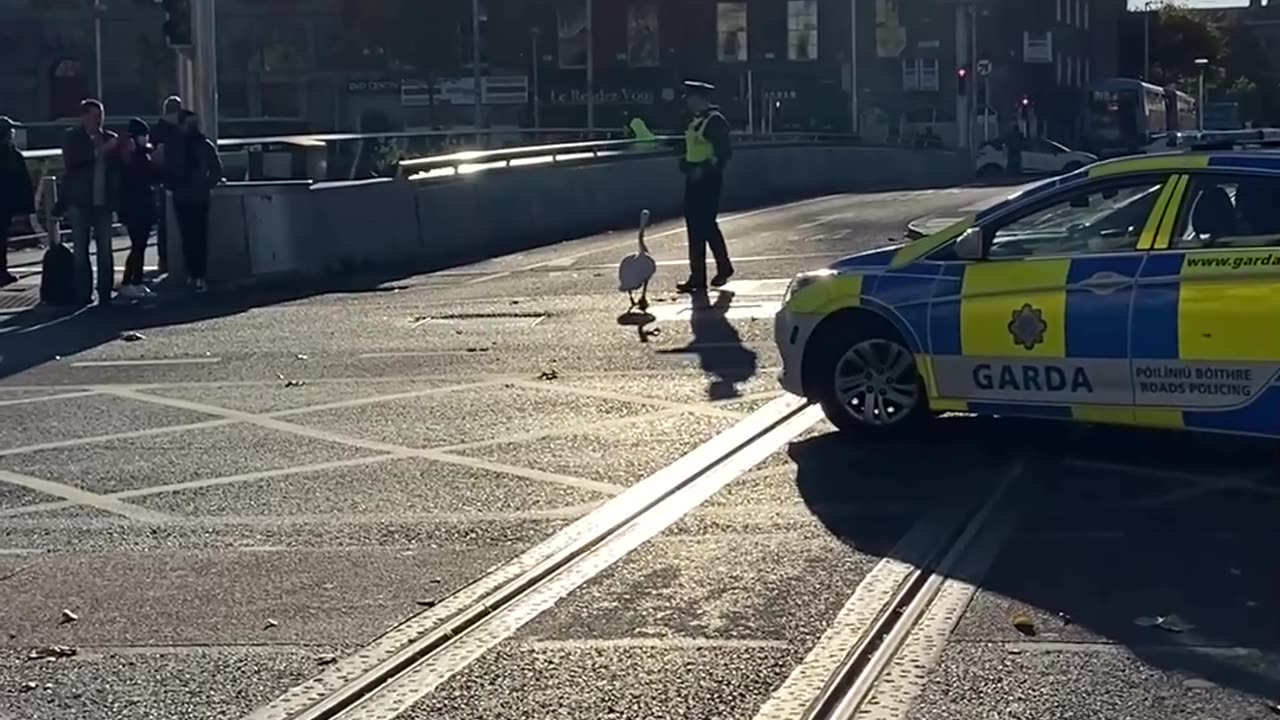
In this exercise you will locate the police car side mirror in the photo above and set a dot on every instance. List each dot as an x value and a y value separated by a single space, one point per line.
970 245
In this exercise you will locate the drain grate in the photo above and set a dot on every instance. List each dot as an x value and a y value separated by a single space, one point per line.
488 318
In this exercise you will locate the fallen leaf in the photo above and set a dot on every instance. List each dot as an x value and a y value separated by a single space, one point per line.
68 617
1065 618
1198 684
1274 707
29 685
548 374
270 624
300 356
326 659
1025 625
295 383
428 603
132 336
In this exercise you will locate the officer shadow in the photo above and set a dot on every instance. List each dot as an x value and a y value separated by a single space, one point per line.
718 346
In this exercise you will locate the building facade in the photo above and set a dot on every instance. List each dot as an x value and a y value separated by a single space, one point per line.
780 65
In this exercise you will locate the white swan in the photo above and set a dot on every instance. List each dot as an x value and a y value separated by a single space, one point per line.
636 270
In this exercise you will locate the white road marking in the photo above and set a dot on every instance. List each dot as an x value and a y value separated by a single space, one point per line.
83 497
47 398
388 448
143 363
75 442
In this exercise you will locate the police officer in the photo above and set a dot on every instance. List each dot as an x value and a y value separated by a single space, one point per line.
707 151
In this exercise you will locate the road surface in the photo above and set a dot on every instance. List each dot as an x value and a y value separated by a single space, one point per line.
261 504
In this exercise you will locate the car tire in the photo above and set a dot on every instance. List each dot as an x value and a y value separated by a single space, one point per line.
1071 167
986 172
890 400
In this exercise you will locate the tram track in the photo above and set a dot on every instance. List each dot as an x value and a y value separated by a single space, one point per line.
876 654
406 664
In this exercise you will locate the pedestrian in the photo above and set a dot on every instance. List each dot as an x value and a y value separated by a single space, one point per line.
137 205
166 129
90 156
1013 145
707 152
17 196
196 170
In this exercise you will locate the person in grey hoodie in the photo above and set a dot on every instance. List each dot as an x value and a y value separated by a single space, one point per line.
195 170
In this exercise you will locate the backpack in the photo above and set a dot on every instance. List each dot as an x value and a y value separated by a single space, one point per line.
57 276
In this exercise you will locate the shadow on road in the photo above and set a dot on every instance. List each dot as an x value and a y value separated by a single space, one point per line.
1116 527
718 346
43 334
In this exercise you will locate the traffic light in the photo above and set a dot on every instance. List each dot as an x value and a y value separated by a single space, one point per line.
962 81
177 23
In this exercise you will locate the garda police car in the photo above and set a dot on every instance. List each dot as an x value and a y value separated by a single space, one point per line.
1142 291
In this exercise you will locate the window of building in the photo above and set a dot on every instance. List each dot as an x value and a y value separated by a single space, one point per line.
802 29
1058 14
731 31
1088 72
571 30
920 74
1057 70
643 48
1085 19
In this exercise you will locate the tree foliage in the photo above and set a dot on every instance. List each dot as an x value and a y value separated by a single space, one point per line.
1240 67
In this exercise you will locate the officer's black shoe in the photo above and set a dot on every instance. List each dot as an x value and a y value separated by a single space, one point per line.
691 286
722 278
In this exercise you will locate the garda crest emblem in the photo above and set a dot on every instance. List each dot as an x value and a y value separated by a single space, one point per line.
1027 326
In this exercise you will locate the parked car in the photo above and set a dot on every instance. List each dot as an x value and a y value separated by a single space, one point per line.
1039 157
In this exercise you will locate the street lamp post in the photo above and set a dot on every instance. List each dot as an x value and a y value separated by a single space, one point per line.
1146 40
475 61
537 107
98 9
853 67
1203 64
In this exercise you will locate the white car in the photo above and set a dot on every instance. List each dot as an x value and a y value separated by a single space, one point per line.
1039 157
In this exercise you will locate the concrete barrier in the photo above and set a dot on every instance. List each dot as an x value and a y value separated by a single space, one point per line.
263 229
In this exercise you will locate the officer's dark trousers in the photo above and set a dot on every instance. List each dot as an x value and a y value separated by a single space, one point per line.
701 205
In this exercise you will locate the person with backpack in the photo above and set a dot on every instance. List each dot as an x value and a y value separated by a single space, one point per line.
91 179
137 206
195 170
17 195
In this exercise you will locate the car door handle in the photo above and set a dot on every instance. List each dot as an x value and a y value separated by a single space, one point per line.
1105 282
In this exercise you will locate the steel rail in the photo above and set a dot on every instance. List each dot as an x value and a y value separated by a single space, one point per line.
661 499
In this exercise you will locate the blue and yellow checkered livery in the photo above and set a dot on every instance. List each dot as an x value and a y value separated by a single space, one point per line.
1148 335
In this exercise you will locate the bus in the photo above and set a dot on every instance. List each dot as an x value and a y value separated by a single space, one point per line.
1125 115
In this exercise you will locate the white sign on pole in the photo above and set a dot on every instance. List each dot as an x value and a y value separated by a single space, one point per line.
984 67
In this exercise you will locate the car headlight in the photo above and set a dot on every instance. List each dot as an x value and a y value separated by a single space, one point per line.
804 280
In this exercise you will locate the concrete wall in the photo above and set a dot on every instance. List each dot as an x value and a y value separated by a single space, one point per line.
264 229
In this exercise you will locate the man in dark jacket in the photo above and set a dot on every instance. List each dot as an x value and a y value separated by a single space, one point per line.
707 152
137 206
90 183
17 196
195 170
166 129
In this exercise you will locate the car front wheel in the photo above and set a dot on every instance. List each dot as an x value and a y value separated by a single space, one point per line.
867 382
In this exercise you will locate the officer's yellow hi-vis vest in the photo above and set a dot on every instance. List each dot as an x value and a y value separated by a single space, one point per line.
697 148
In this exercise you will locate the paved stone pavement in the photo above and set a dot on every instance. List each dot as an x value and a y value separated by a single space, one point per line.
255 485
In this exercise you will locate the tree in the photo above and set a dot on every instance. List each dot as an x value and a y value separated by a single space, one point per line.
1178 36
